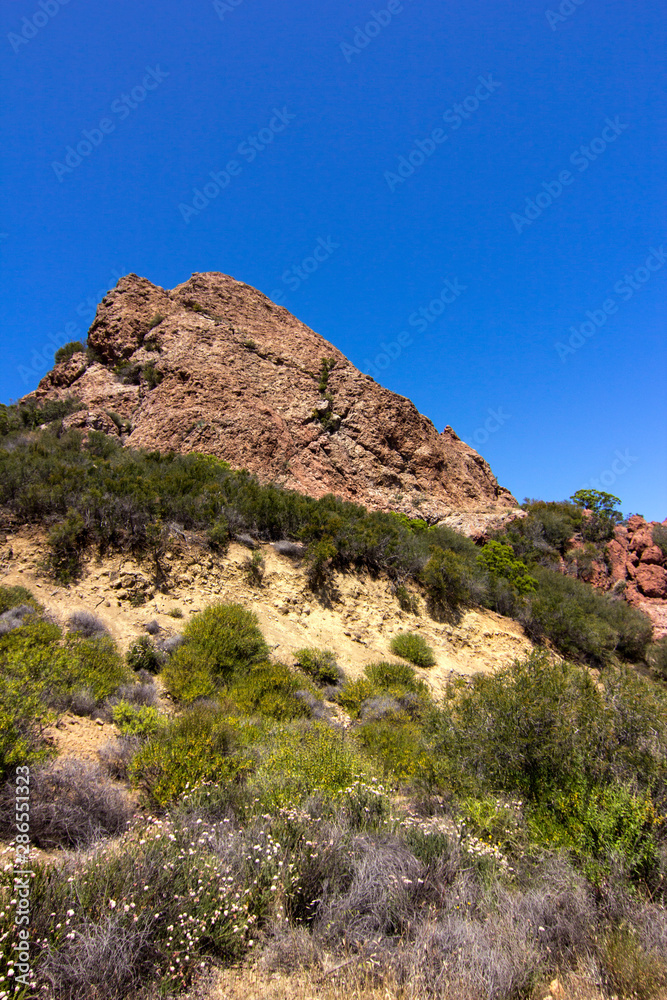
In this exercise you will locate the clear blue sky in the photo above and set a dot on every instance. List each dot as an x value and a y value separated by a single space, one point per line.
409 144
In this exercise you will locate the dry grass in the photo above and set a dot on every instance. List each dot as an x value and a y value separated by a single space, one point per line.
72 804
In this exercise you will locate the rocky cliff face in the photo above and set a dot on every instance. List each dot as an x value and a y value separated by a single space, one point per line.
634 566
634 558
214 366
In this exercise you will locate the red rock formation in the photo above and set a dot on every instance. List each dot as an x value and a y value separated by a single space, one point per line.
221 369
640 566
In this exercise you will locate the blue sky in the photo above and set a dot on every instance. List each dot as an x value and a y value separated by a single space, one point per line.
481 182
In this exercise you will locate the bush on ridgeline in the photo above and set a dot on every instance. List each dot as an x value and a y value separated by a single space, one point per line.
65 352
598 525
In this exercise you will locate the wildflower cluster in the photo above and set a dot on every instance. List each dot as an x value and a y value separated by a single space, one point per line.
366 803
173 892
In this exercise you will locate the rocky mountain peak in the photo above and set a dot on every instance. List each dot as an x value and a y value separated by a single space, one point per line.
214 366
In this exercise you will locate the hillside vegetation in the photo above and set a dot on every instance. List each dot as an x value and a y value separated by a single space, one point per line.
481 843
98 494
476 845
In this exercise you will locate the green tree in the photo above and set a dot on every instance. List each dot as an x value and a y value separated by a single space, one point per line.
599 525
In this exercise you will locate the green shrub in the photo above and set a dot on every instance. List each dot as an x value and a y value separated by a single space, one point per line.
443 577
65 352
137 720
544 730
36 672
498 559
268 689
23 719
303 761
218 535
320 664
395 680
142 655
320 563
66 543
152 375
533 727
397 746
394 677
227 636
413 647
196 747
407 601
12 597
95 665
188 674
601 826
583 623
599 524
353 694
254 568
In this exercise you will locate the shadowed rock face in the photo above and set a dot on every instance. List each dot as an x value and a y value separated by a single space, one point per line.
236 376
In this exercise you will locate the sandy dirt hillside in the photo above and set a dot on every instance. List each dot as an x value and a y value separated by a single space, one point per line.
357 620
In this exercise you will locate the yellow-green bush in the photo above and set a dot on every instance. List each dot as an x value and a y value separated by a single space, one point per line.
95 665
600 826
320 664
228 636
11 597
303 761
37 674
397 745
395 680
188 675
413 647
269 689
354 693
199 746
137 720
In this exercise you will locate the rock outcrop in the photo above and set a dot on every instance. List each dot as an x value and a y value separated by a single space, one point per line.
640 567
214 366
